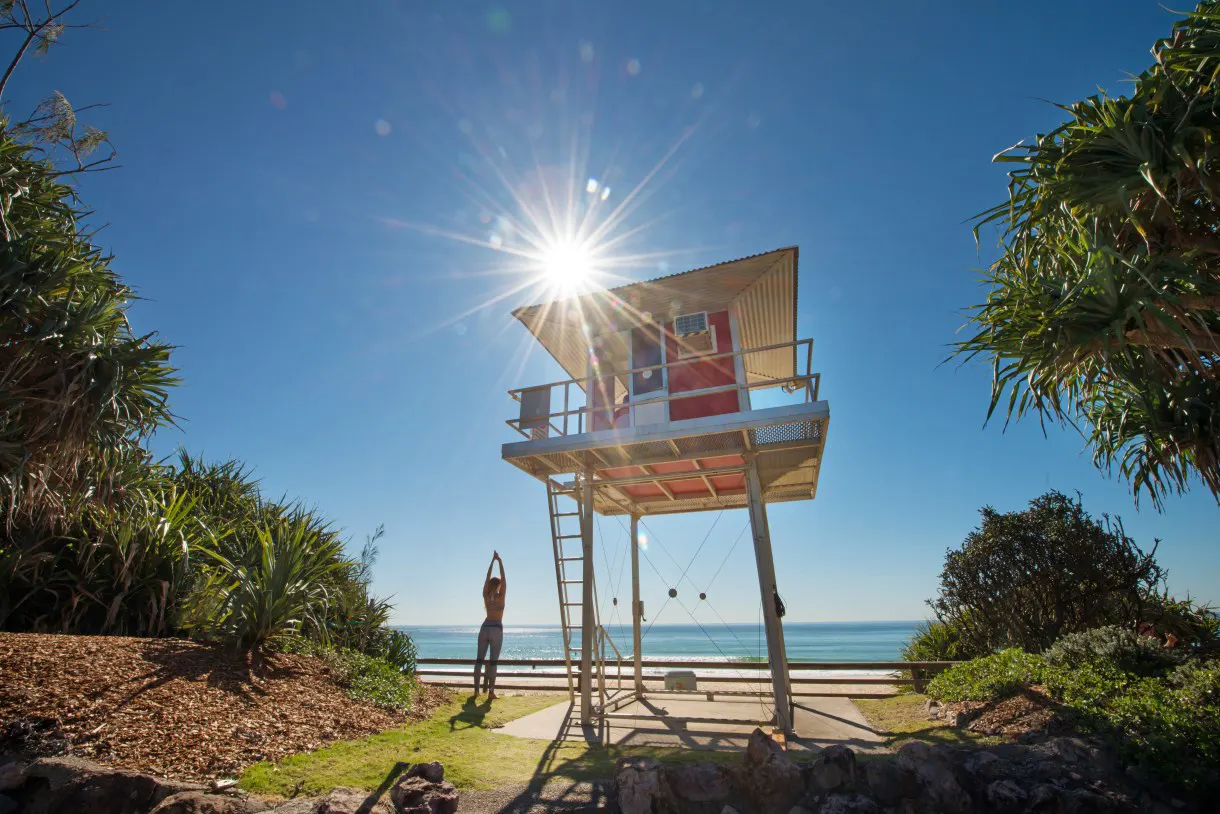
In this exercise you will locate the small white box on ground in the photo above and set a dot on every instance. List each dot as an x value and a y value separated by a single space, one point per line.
680 680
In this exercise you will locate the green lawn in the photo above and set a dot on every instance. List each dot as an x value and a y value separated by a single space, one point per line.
902 718
458 735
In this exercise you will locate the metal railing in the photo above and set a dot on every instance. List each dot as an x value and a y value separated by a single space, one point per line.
560 423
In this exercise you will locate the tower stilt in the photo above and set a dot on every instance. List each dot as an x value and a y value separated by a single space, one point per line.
777 656
637 613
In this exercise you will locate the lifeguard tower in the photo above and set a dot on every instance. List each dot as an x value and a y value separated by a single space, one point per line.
688 393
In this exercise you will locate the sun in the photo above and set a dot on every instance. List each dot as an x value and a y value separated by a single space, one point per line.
567 264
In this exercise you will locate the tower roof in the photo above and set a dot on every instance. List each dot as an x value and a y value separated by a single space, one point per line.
761 288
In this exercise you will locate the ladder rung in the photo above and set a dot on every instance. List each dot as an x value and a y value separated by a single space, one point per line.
567 514
570 559
571 581
568 536
573 603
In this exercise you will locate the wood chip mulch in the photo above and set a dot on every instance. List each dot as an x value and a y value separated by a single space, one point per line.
175 708
1030 711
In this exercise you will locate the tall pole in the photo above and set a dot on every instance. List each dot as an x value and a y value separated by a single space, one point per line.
637 611
587 632
777 657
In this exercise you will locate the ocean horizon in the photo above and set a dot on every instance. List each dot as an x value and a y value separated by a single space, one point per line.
804 641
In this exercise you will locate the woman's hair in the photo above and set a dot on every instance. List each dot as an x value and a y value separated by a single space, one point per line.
494 583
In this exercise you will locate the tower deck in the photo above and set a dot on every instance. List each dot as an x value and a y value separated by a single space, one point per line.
696 464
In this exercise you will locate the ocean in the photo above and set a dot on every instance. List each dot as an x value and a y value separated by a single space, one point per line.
807 641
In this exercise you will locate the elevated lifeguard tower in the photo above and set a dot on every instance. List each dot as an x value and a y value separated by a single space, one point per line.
687 393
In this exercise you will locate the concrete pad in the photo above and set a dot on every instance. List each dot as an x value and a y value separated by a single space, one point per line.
819 722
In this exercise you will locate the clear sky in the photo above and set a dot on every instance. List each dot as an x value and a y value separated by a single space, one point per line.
304 187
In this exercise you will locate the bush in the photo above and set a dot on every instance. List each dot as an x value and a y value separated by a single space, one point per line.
1167 723
1024 579
989 678
933 641
365 678
1114 647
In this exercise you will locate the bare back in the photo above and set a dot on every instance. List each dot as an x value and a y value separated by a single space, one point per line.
493 602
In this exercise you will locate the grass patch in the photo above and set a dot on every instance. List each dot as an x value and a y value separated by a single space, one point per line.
458 735
902 719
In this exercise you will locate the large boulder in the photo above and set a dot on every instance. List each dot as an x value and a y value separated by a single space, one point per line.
198 802
418 795
833 769
771 781
848 804
639 784
55 784
888 782
351 801
937 781
698 782
12 775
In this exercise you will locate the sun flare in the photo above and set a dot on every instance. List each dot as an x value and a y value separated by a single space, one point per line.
567 263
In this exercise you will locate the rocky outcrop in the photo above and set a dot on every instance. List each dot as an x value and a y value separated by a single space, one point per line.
62 784
1056 775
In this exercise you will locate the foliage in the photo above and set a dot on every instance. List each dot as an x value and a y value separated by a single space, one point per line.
274 584
1026 578
933 641
1193 626
1105 302
988 678
372 679
1167 721
1119 647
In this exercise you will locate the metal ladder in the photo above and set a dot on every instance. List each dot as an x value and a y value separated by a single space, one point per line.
569 570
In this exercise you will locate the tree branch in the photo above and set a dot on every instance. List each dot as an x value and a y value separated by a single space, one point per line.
30 37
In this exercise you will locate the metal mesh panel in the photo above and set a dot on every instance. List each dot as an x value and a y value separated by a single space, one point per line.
787 433
720 442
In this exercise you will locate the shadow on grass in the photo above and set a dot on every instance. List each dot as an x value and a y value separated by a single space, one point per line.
472 714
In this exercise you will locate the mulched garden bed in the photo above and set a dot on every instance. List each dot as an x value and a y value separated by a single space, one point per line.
173 707
1030 711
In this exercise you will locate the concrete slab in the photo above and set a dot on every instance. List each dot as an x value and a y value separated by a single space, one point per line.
819 722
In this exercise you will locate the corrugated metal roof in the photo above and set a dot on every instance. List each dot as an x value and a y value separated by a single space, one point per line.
763 287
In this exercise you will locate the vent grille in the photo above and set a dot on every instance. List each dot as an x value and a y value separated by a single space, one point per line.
690 324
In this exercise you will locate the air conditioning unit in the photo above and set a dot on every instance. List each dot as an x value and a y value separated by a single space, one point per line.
694 335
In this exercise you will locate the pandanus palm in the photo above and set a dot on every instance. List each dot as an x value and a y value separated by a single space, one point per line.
1104 310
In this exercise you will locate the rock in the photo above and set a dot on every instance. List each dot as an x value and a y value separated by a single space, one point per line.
12 775
351 801
8 805
771 780
956 719
433 772
1005 795
415 794
222 784
982 764
729 810
197 802
937 781
71 784
698 782
638 782
1043 797
887 782
833 769
848 804
1083 801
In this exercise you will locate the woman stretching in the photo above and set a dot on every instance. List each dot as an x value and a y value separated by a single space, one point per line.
491 634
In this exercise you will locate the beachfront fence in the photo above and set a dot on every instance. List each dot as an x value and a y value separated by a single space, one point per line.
870 679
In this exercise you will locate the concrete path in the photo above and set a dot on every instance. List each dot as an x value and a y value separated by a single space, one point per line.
819 722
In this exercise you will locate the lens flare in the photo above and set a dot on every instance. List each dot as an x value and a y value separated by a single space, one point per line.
567 264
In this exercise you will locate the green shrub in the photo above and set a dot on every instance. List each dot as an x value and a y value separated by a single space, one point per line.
1111 646
988 678
934 641
367 678
364 677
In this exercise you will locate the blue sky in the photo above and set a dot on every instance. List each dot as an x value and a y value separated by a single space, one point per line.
293 177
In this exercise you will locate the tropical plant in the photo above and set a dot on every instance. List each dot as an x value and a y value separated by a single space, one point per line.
1026 578
1104 309
276 584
